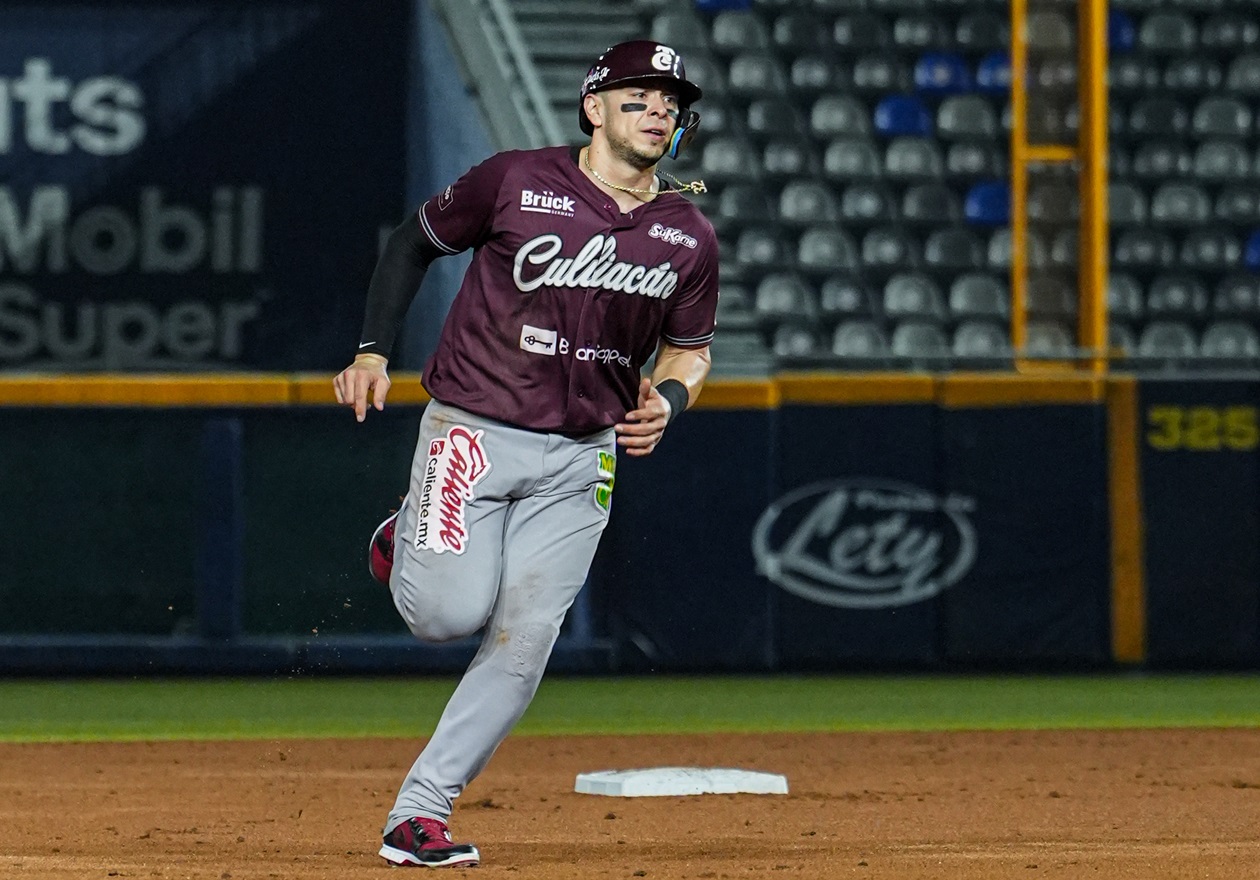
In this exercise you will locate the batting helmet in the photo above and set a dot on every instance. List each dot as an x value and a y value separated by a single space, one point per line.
637 60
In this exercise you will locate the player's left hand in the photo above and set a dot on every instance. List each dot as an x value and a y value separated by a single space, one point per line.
643 428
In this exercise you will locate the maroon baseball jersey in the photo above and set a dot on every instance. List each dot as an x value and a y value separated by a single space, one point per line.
567 297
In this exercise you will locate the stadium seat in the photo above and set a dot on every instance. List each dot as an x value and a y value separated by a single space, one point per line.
978 295
988 204
980 339
967 117
1229 33
1167 339
899 115
1192 75
727 157
797 33
998 253
1121 32
1211 250
838 116
805 202
993 73
682 29
756 75
877 75
972 160
913 295
1221 161
953 250
1161 160
1177 295
743 204
913 158
1047 120
1243 76
1055 75
1121 340
770 118
1230 339
864 204
813 75
785 159
1053 203
919 341
1126 205
1237 295
762 248
941 73
1238 205
1144 249
824 250
979 32
1050 32
1251 252
1132 75
851 158
735 308
889 249
1220 117
930 204
1065 249
742 352
1048 339
860 33
897 7
859 339
919 32
1180 205
1168 34
1124 297
784 296
736 31
845 296
1159 118
705 72
795 340
1050 296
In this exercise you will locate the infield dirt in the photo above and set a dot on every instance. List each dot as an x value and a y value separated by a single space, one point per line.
1063 804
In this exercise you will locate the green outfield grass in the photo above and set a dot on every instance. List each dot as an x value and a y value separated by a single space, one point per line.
38 710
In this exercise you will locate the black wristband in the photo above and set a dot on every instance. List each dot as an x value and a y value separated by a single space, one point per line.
676 393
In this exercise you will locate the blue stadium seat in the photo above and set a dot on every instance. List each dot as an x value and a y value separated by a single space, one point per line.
1251 252
993 73
988 204
899 115
941 73
1121 32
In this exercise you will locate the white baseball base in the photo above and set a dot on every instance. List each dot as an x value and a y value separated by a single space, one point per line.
675 781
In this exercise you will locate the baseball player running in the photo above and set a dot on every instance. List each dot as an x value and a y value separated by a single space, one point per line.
585 264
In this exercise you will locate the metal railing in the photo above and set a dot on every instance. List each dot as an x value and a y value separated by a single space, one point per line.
499 69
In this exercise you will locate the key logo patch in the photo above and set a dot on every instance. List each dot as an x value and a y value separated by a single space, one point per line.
457 463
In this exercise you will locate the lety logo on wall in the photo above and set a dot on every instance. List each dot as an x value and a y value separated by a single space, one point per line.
865 543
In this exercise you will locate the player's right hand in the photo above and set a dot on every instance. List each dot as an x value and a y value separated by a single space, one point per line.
366 376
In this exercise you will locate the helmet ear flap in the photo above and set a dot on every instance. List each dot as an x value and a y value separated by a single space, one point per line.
688 123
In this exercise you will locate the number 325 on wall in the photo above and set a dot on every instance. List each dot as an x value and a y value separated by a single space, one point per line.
1202 428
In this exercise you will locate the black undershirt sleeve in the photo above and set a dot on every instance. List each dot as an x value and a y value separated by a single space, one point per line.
399 271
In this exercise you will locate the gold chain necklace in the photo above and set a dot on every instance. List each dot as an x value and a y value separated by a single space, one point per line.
696 186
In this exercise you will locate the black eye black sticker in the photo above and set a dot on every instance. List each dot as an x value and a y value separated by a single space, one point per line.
633 108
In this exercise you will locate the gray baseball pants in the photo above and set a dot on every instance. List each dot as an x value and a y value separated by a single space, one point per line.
498 530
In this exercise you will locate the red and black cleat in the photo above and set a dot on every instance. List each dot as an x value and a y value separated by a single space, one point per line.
381 550
425 842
